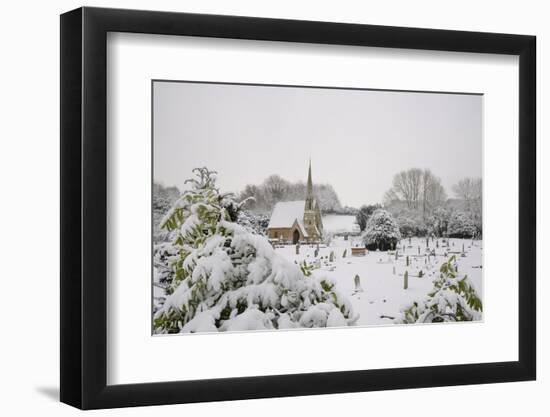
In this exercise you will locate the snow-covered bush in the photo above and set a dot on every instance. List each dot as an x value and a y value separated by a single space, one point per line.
362 215
407 227
381 232
438 222
164 256
163 198
410 222
461 226
228 279
452 299
256 223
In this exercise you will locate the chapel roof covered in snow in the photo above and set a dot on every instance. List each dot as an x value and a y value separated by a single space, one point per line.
340 223
285 213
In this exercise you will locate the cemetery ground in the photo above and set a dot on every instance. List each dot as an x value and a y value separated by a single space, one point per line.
381 295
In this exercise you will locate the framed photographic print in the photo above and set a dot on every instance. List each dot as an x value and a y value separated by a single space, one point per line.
257 207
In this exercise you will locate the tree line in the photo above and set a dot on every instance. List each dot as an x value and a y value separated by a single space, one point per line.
264 196
420 205
416 200
418 189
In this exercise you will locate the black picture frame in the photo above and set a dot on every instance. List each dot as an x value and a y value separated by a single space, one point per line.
84 207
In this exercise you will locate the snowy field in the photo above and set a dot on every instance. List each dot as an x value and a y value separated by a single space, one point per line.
381 275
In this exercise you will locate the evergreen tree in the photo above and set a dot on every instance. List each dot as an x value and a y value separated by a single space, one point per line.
438 222
256 223
363 214
461 225
226 278
381 231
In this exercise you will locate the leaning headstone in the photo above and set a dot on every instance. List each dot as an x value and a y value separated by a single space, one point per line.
316 252
357 281
406 280
407 260
345 253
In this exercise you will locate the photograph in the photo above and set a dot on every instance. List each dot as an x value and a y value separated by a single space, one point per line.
284 207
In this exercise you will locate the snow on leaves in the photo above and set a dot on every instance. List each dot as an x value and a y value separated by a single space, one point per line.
461 225
226 278
381 231
452 299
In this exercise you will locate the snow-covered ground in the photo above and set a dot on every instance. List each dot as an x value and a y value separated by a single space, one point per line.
383 295
340 223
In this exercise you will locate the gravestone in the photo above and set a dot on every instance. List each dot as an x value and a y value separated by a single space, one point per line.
406 280
357 281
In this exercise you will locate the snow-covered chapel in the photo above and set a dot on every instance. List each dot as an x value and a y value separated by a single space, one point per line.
297 221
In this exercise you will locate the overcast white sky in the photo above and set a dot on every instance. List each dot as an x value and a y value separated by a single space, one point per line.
357 140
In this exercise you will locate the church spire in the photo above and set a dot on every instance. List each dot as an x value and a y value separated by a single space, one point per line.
309 195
